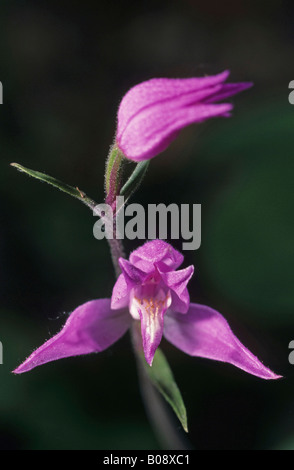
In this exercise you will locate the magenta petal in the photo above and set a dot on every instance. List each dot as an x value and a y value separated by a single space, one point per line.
92 327
133 275
151 330
203 332
227 90
120 293
156 251
149 303
154 128
177 282
160 90
152 113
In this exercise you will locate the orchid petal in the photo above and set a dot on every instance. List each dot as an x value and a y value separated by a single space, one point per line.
159 90
152 113
227 90
177 282
152 330
204 332
92 327
133 275
120 293
149 303
156 251
159 126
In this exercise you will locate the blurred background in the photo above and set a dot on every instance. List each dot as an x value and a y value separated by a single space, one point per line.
64 67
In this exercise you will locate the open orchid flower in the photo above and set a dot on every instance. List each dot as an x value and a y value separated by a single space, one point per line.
151 290
152 113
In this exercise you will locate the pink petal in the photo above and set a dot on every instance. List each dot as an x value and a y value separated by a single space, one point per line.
152 113
120 293
92 327
177 282
154 128
132 274
156 251
159 90
227 90
151 330
203 332
150 303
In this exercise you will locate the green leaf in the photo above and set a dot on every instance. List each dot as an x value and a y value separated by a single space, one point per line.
134 180
162 378
74 192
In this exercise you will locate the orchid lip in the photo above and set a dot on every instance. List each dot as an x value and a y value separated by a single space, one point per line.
149 303
149 299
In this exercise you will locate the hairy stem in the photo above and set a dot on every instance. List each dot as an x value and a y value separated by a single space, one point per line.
116 251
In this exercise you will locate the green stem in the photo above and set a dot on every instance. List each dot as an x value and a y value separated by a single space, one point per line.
116 251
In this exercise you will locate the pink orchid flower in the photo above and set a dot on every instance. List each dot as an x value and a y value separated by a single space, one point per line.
152 113
150 289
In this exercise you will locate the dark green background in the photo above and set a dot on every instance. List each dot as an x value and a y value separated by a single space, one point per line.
64 67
